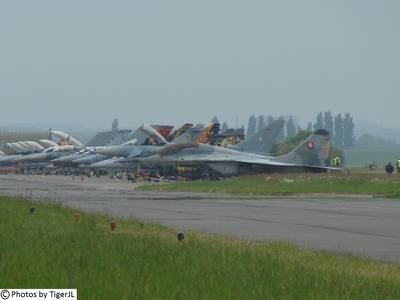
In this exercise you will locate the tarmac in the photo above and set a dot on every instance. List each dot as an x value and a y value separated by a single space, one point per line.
357 225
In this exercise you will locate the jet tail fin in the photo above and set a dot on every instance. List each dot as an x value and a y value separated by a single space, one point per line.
181 130
312 152
153 133
263 140
208 135
190 136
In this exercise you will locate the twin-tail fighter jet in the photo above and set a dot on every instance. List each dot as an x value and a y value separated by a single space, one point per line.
312 155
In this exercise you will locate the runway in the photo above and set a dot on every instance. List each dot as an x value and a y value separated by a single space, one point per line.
358 225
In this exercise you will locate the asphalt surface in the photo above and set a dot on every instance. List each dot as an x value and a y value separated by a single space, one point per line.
358 225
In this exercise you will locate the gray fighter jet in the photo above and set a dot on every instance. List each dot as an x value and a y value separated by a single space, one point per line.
31 152
261 142
46 155
132 150
312 155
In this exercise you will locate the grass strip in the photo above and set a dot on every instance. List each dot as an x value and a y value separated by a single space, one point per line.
49 249
286 184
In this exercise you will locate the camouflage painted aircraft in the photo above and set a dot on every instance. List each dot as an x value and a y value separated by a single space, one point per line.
261 141
312 155
121 155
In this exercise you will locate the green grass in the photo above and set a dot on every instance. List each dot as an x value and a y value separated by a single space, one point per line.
48 249
285 184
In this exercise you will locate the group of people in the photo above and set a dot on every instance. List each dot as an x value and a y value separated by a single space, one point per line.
390 168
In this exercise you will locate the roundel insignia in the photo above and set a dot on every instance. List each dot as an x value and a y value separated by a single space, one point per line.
310 145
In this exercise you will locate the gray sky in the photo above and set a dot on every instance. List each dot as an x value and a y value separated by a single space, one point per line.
178 61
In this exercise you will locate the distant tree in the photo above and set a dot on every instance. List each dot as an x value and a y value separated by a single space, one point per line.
260 122
270 119
309 126
320 122
214 120
224 126
328 122
281 136
285 147
251 128
348 131
290 128
339 128
114 126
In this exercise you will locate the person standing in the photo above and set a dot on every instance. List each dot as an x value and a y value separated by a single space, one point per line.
389 168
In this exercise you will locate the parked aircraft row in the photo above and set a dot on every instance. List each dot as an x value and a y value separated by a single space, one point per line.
188 146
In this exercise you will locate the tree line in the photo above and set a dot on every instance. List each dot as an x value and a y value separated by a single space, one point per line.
341 128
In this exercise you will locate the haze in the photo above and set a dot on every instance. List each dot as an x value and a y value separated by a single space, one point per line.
186 61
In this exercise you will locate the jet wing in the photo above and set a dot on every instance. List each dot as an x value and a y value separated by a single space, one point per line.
207 158
246 159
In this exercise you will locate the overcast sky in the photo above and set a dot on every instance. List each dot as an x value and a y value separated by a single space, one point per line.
185 61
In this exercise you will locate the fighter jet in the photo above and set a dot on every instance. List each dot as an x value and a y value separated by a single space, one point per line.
90 155
114 156
130 150
86 156
120 156
311 155
46 155
261 142
31 153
